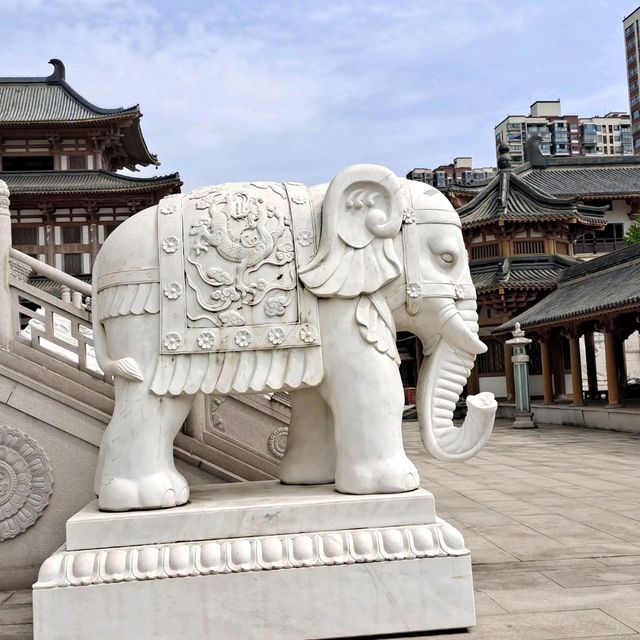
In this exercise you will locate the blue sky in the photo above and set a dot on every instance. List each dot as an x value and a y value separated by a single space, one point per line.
286 90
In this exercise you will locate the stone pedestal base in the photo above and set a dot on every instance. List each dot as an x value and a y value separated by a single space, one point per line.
316 584
524 421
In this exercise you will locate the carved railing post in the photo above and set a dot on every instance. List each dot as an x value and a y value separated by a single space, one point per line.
6 318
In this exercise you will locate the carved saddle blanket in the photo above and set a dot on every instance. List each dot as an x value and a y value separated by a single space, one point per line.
233 314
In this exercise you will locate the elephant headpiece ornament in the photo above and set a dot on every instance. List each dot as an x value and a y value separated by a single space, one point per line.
263 286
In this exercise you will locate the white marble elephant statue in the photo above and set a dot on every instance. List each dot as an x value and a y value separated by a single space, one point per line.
262 286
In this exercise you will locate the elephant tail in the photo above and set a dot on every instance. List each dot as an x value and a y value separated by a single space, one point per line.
126 368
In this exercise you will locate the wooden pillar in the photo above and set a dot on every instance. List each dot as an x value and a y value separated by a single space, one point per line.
612 367
590 357
545 358
557 364
576 369
49 241
508 371
93 241
621 362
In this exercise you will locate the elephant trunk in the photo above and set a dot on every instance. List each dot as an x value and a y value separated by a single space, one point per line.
442 376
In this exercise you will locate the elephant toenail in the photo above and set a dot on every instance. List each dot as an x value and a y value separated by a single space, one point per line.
169 499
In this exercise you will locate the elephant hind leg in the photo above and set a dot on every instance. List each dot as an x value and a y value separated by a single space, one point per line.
137 470
310 457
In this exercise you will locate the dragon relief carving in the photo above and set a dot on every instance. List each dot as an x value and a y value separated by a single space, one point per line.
248 232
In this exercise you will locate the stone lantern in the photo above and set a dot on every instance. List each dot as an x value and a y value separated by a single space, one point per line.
520 359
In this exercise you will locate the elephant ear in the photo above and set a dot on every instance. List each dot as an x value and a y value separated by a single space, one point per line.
361 214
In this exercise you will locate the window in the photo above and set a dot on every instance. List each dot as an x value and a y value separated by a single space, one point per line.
72 263
27 163
24 235
71 235
77 163
628 30
491 362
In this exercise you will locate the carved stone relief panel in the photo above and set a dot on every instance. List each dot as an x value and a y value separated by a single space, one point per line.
25 482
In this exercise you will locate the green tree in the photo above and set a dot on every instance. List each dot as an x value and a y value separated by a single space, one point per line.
633 234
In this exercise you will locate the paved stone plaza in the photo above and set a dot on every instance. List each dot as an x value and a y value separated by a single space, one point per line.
552 517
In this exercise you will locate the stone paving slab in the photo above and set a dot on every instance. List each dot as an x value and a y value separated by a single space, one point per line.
552 518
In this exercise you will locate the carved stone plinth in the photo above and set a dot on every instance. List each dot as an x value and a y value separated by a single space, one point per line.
356 580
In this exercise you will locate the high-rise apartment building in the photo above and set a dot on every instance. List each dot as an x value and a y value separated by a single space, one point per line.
460 171
631 26
565 135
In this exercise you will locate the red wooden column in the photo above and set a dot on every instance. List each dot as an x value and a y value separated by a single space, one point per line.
610 354
576 370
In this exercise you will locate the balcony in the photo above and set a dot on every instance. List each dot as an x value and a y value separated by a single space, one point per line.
589 139
598 245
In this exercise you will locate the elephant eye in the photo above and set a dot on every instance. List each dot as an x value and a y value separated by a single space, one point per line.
447 257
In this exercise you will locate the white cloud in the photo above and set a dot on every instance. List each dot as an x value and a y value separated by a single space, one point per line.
277 89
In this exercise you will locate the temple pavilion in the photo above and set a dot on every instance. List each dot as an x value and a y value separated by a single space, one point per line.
520 239
596 296
59 155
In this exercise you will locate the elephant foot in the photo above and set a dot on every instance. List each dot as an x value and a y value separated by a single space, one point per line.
159 490
389 475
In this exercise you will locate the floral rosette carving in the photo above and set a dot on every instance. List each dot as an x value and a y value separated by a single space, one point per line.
305 238
308 333
277 442
168 207
414 290
207 339
25 482
408 216
172 341
170 244
243 338
173 291
276 336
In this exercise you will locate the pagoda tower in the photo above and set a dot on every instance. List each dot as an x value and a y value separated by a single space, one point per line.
520 240
59 155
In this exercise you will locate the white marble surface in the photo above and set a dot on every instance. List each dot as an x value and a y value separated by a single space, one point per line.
369 598
376 254
246 509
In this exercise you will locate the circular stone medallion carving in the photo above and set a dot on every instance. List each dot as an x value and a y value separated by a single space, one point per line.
277 442
25 482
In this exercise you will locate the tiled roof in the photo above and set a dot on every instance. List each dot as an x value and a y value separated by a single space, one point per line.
595 181
50 101
586 290
31 103
541 272
508 198
63 182
586 177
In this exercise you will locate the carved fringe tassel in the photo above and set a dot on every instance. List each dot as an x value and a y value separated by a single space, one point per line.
238 372
129 299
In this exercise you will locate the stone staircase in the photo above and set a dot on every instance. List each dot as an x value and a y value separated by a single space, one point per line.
55 404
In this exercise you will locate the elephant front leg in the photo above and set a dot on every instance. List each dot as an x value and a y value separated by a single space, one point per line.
310 457
363 389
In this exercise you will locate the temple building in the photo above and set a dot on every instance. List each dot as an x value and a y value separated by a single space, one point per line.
611 181
596 297
59 155
520 239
